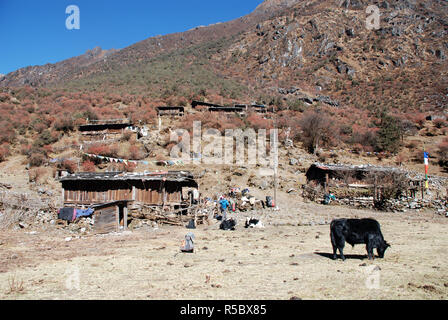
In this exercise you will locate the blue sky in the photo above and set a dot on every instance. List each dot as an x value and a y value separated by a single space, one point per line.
34 32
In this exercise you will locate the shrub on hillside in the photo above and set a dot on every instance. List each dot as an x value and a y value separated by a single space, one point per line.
439 123
420 119
88 166
40 127
127 135
68 165
37 175
257 122
4 151
64 124
135 153
401 158
25 149
45 138
36 160
103 150
7 133
442 152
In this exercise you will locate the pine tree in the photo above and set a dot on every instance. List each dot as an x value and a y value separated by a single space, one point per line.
389 135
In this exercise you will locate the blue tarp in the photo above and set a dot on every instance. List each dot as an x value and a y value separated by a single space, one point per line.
84 213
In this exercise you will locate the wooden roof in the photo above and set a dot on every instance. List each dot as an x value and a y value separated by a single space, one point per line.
180 108
174 176
344 167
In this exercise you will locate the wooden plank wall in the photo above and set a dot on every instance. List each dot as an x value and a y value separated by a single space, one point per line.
106 220
83 196
149 193
148 196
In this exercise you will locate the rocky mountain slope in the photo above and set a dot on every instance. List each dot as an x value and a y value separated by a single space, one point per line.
325 46
36 76
286 44
298 56
297 49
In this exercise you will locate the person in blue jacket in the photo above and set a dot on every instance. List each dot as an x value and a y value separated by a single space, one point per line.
224 204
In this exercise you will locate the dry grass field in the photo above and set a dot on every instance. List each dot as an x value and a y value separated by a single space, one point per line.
286 259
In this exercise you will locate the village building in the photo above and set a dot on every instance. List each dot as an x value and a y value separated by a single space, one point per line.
354 175
368 177
241 109
108 130
114 193
148 188
170 111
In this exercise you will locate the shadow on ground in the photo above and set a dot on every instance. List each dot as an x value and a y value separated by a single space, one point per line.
347 256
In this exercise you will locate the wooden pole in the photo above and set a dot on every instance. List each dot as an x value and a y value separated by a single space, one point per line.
375 191
117 217
423 191
275 185
275 161
125 217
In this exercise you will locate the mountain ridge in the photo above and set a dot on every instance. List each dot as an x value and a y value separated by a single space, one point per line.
32 75
287 48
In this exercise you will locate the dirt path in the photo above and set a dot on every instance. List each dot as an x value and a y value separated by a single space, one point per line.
278 262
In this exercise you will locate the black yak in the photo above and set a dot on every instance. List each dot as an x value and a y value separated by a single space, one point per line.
357 231
228 224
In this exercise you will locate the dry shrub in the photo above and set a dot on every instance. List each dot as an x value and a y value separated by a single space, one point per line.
392 185
38 175
420 120
15 285
88 166
131 167
401 158
65 124
126 136
312 191
104 150
443 153
357 148
68 165
47 149
36 160
258 122
4 151
439 123
412 144
136 153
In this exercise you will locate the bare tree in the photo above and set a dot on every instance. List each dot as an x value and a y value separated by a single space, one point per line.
316 130
391 185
